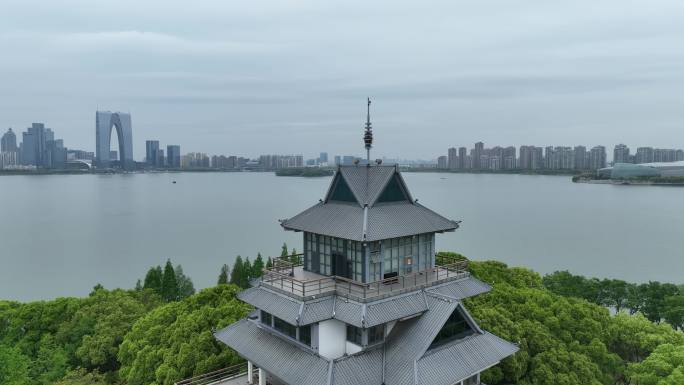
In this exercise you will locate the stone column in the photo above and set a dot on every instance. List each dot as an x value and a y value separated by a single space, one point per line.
262 377
250 372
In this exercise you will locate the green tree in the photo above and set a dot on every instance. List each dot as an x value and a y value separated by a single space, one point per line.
615 293
185 285
247 273
634 337
82 377
175 341
665 366
269 263
138 286
51 363
153 279
654 299
562 340
99 326
238 276
283 252
258 266
223 276
674 311
14 366
169 287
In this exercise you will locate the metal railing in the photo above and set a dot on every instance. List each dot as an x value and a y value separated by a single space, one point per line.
224 374
281 276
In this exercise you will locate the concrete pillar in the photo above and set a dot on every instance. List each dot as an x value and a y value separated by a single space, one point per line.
250 372
262 377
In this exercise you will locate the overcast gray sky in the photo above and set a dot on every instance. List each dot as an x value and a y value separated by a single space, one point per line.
251 77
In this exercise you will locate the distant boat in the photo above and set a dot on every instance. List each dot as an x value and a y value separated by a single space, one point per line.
174 182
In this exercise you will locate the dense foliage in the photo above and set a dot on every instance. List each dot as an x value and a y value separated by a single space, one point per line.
565 339
51 337
171 284
657 301
175 341
159 332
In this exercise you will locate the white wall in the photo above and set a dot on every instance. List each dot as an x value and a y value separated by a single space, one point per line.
352 348
332 338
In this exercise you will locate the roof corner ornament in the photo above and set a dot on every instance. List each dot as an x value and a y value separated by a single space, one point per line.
368 135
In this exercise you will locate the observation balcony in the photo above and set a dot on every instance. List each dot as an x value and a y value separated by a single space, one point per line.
287 275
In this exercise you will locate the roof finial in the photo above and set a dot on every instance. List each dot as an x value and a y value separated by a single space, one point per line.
368 135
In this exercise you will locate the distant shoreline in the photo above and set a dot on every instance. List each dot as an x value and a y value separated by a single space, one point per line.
620 182
306 172
505 172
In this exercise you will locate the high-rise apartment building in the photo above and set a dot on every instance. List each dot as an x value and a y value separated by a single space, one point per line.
531 158
621 154
509 158
152 154
597 158
452 159
580 158
8 143
173 156
323 158
33 145
462 157
476 155
442 162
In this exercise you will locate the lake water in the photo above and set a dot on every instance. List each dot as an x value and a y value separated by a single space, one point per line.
60 235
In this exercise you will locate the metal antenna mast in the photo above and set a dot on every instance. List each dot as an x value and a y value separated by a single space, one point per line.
368 135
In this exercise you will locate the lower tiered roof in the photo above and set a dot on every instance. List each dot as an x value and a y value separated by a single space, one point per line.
404 358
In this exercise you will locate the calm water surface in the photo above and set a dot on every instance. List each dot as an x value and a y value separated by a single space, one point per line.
61 235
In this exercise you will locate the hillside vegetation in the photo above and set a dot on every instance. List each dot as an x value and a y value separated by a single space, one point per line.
160 332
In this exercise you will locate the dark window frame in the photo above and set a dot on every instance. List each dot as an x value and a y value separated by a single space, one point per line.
456 327
304 334
266 316
284 327
354 335
376 334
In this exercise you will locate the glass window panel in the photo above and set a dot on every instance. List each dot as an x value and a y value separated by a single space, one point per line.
305 335
376 334
284 327
266 318
354 335
456 327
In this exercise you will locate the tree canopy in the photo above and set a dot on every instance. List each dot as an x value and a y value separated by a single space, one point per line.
175 341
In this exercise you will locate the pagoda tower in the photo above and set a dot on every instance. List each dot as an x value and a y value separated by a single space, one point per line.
367 302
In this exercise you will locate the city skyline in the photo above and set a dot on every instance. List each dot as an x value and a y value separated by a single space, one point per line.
203 77
314 153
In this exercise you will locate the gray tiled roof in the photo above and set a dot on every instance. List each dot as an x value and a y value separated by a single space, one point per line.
367 183
395 308
464 357
349 312
283 359
335 219
391 220
317 310
461 289
363 368
279 305
405 356
384 220
289 309
354 313
410 339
